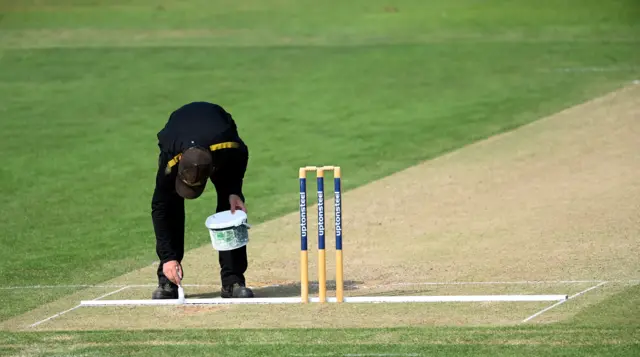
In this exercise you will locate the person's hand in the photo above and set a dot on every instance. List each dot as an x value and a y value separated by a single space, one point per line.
173 271
236 203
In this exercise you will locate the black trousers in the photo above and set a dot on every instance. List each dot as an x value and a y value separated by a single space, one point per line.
233 263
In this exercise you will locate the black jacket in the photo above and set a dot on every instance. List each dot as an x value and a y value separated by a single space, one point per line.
202 124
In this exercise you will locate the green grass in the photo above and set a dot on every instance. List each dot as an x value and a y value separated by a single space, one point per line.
443 341
311 22
375 91
618 310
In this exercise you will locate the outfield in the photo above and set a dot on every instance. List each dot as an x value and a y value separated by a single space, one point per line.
402 96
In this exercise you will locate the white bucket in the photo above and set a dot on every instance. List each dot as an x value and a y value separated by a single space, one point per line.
228 231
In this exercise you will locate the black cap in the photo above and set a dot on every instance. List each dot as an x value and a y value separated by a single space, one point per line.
194 169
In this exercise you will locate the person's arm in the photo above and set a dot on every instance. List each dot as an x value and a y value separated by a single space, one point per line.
167 211
229 175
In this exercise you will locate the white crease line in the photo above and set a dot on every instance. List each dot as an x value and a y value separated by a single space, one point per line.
58 286
75 307
89 286
54 316
562 302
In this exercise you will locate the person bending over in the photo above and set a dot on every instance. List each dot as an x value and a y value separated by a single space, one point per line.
199 142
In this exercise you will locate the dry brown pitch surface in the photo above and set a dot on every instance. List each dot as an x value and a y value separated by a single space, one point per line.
554 200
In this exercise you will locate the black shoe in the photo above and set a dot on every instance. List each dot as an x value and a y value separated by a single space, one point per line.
165 291
236 290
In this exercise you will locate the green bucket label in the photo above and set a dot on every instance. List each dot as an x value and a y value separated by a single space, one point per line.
230 238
